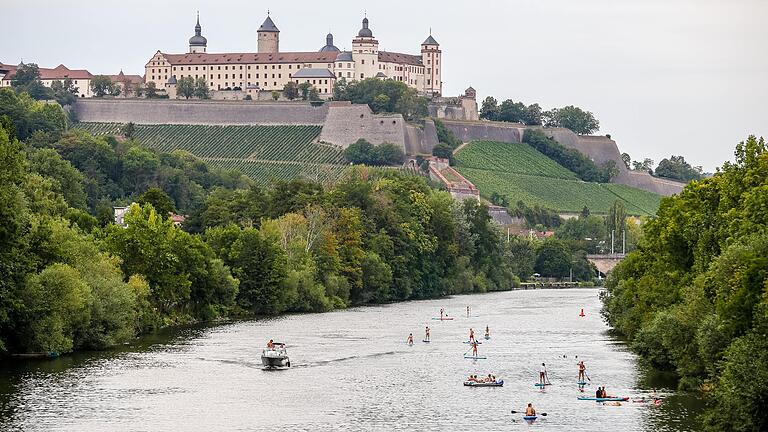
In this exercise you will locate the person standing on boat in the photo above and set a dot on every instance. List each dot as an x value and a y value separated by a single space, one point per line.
426 334
410 339
471 336
582 371
543 374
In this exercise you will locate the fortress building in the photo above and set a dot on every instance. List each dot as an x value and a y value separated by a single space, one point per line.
269 69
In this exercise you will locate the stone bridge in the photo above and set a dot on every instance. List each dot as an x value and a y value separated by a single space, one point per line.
606 262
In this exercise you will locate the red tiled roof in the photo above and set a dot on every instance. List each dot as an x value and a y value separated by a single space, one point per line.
391 57
60 72
121 77
228 58
7 67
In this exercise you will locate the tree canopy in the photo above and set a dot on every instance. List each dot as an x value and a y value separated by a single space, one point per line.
383 96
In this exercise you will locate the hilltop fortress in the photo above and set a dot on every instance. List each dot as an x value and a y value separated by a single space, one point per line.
269 69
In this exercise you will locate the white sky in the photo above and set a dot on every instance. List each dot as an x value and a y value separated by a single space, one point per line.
664 77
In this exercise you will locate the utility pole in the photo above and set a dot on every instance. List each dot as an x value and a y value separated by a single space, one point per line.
623 242
612 233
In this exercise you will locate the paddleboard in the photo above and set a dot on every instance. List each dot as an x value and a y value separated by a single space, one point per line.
475 357
425 341
442 319
468 342
498 383
542 385
529 418
607 399
581 383
487 338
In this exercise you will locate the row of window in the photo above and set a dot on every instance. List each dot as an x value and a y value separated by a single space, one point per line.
248 67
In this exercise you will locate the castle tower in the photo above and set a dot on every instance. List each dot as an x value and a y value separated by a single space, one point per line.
197 43
365 52
269 37
430 56
329 46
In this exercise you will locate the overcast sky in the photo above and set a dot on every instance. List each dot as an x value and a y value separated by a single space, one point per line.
664 77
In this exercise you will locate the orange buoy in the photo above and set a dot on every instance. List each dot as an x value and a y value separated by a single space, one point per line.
582 312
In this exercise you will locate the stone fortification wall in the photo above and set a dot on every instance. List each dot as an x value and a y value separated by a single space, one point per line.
420 140
600 149
143 111
346 123
470 131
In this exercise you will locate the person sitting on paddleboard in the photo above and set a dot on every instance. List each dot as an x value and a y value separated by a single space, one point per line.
530 411
426 333
543 374
582 370
410 339
599 392
471 335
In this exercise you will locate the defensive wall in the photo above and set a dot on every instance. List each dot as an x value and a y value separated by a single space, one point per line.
600 149
344 123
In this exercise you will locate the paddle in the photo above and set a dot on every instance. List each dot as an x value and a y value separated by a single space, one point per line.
541 414
587 375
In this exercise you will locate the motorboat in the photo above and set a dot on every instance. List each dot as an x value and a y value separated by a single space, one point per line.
275 357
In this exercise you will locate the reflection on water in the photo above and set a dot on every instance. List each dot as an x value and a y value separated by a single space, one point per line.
352 370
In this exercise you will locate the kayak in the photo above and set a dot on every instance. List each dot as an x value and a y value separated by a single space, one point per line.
542 385
475 357
498 383
468 342
605 399
442 319
529 418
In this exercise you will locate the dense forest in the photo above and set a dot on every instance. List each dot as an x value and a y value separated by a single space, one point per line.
70 278
693 297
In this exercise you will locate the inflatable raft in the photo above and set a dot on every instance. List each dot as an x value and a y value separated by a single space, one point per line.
498 383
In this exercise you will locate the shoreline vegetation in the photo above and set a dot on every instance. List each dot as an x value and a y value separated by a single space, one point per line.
71 279
693 297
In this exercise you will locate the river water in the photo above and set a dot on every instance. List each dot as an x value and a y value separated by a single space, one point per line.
352 370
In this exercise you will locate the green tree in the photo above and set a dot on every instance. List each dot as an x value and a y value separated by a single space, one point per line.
128 130
151 90
159 200
646 165
201 88
573 118
676 168
261 266
490 109
185 86
553 259
314 95
68 180
64 91
101 85
275 95
627 159
303 89
290 90
443 151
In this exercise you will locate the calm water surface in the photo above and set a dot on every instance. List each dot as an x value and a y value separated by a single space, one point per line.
352 370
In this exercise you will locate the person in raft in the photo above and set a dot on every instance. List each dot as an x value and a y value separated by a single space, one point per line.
474 349
410 339
582 370
543 374
471 335
487 332
426 334
271 344
530 411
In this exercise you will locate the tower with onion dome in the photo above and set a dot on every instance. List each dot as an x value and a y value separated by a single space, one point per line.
198 43
365 52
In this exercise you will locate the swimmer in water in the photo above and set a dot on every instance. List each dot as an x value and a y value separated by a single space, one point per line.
410 339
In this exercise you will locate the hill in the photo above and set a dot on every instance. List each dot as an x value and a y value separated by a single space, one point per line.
264 153
523 174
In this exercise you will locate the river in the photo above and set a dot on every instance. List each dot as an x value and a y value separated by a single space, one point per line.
352 370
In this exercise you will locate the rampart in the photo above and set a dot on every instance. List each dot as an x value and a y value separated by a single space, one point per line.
600 149
158 111
346 123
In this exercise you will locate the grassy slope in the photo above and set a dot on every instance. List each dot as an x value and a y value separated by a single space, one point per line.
264 153
523 174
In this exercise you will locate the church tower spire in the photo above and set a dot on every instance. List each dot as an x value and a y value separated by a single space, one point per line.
198 43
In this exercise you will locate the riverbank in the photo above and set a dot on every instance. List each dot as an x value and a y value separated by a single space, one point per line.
351 369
